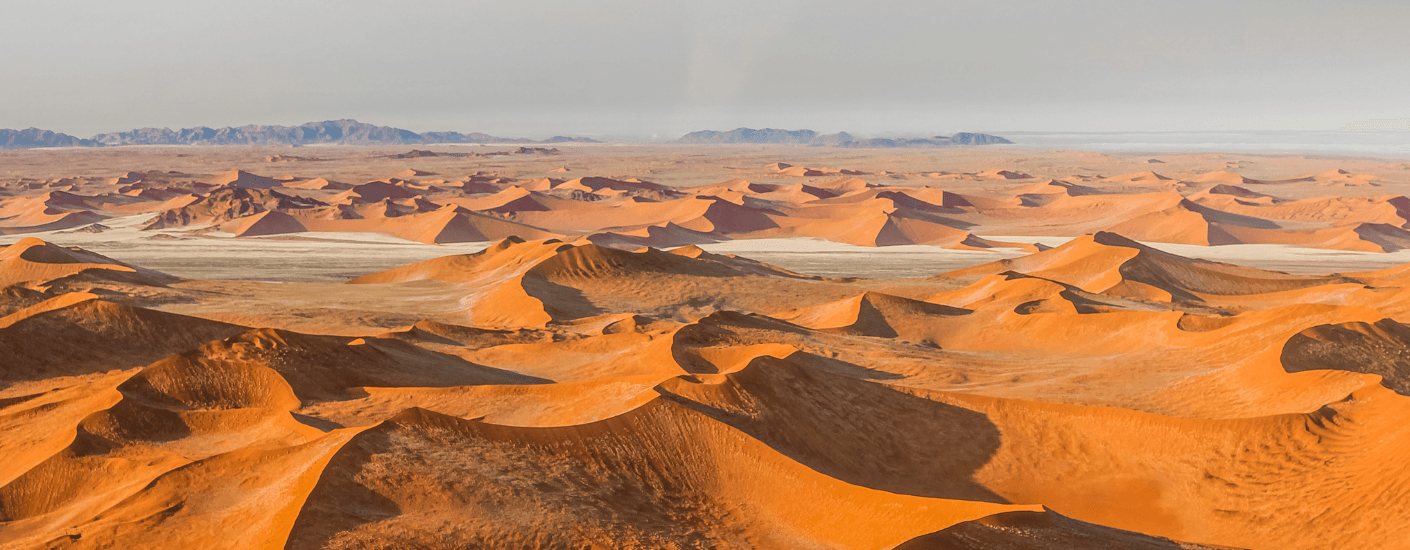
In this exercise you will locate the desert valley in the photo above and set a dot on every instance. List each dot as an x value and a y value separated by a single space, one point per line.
581 345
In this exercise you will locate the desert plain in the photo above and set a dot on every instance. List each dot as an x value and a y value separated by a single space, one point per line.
633 346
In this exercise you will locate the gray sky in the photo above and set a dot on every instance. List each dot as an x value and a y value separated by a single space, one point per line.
627 67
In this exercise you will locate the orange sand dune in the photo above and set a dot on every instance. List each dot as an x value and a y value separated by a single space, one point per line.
37 263
575 385
995 174
537 283
357 362
241 178
52 211
513 199
449 224
373 192
803 171
78 334
1342 178
269 222
663 235
1004 436
413 173
317 184
684 503
1105 262
873 314
834 399
1209 208
226 203
1223 177
1137 177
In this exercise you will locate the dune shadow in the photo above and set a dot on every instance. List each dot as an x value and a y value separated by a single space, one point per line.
320 424
1038 531
1381 348
338 503
559 301
840 367
856 431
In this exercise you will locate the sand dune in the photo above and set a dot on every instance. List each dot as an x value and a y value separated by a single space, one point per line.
683 505
660 236
829 423
1110 263
77 334
50 212
316 184
537 283
269 222
36 263
1039 531
241 178
224 204
845 205
874 314
594 379
1224 177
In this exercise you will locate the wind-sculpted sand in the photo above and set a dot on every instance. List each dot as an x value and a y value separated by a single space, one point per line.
546 394
666 197
592 390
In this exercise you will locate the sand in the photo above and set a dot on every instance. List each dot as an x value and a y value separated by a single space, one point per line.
398 362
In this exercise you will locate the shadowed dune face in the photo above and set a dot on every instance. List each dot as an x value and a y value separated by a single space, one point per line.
861 433
65 336
1039 531
1381 348
575 385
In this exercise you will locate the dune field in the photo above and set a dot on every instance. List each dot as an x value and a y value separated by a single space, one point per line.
640 347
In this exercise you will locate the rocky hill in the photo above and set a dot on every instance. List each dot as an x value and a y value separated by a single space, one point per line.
34 137
750 135
339 132
962 138
840 139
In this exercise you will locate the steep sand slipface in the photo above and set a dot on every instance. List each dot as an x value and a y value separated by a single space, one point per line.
570 388
1039 531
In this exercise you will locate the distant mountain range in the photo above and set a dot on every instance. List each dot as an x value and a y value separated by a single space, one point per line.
34 137
338 132
840 139
750 135
352 132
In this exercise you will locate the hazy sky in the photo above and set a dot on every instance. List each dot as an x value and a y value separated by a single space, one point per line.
624 67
